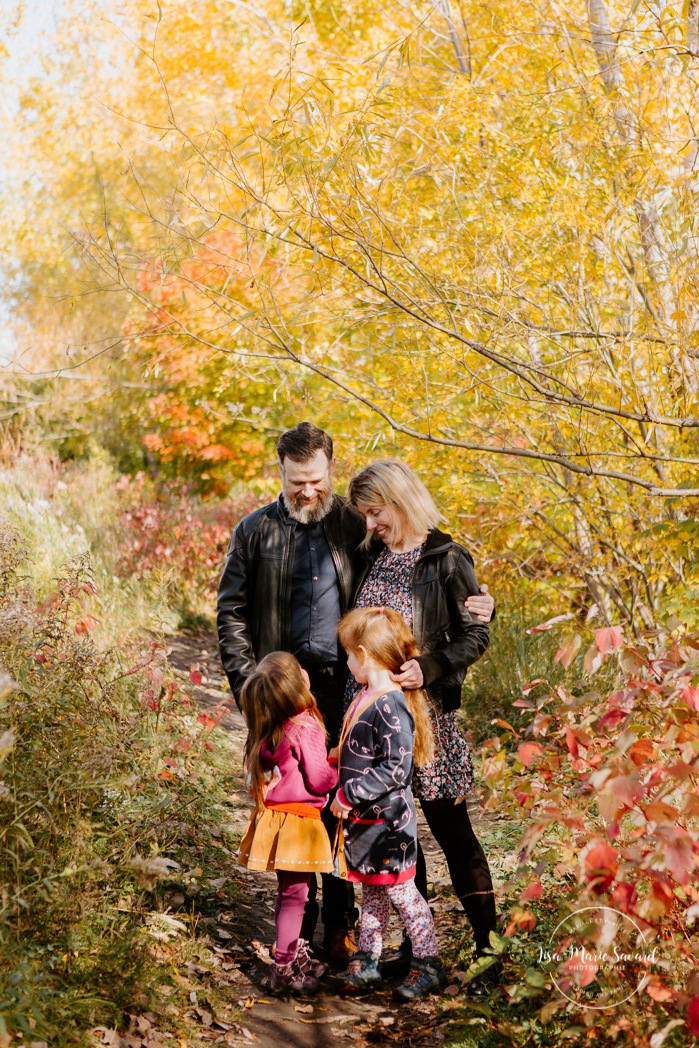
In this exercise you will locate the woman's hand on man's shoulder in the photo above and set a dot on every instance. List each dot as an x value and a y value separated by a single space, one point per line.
481 605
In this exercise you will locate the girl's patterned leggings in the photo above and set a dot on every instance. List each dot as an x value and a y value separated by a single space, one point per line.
412 910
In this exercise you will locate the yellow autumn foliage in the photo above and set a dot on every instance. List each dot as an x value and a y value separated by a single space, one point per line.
470 239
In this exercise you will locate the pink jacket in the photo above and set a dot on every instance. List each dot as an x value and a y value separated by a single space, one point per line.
302 760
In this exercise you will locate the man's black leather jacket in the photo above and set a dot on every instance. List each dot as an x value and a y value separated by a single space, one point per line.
448 635
254 605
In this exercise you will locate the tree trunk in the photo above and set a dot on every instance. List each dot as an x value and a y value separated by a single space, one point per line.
604 45
462 57
605 48
693 26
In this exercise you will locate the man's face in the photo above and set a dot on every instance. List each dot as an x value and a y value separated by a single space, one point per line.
307 487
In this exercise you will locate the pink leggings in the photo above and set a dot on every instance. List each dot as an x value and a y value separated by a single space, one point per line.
412 910
292 896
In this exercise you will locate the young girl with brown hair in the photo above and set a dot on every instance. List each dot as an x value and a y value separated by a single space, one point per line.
386 730
290 779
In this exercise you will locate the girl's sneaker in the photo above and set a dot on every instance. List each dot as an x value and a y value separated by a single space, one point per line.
291 978
307 962
426 975
362 973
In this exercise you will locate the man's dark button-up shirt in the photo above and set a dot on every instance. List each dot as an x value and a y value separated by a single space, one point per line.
315 598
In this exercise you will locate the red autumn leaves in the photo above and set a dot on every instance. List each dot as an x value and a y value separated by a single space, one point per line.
599 866
607 784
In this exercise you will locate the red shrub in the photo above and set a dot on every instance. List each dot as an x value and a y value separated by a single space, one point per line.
172 531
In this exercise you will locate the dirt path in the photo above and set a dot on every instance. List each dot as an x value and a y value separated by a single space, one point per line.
326 1019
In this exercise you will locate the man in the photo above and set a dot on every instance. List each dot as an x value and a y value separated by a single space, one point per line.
289 574
288 579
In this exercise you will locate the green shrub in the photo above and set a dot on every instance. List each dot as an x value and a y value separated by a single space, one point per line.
102 760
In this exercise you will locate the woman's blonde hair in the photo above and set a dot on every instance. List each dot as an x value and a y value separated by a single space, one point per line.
385 636
273 693
392 483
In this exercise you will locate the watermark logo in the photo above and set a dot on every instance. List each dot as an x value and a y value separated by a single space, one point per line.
598 957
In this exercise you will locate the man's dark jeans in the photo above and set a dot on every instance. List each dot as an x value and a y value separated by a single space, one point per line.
338 909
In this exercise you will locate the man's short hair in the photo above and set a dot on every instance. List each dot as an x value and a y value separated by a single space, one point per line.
302 442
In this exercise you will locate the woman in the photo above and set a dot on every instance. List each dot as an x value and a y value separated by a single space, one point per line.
416 569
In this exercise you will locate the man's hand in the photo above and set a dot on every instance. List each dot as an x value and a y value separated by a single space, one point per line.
481 605
337 810
410 675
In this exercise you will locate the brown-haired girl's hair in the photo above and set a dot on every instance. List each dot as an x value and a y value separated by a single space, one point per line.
388 640
273 693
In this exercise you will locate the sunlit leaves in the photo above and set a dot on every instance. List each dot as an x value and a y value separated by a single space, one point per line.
301 212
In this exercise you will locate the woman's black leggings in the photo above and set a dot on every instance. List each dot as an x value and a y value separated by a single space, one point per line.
468 866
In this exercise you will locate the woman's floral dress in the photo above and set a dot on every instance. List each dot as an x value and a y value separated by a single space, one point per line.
389 585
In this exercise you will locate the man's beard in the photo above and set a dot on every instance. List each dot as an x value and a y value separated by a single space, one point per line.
309 512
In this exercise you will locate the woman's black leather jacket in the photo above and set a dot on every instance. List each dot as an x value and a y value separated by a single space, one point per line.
449 637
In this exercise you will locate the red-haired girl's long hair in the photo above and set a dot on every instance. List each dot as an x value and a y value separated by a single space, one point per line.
387 639
273 693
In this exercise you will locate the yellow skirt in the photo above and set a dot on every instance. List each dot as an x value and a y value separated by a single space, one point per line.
279 840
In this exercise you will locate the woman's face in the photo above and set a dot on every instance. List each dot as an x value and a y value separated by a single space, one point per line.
384 521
